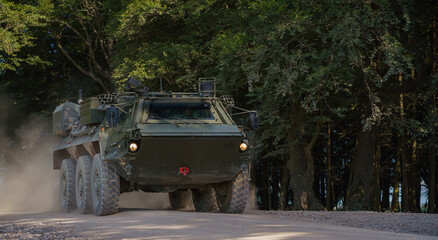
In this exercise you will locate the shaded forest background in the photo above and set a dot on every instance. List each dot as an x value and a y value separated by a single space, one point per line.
346 90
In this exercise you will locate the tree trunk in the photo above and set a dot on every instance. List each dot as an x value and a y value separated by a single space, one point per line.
317 183
301 164
385 193
361 176
329 199
432 169
268 184
395 205
284 187
404 160
414 193
414 169
405 175
432 196
435 44
264 185
323 184
275 185
375 188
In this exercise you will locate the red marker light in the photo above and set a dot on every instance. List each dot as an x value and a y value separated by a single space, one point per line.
184 171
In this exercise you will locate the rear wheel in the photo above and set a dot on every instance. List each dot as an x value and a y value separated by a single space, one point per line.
83 184
181 200
105 187
204 200
67 185
232 196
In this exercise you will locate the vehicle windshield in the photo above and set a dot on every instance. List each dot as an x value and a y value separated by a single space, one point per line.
180 111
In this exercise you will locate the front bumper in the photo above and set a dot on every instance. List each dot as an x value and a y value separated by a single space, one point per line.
209 160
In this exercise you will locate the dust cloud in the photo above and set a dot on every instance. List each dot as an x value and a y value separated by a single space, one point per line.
30 184
28 181
144 200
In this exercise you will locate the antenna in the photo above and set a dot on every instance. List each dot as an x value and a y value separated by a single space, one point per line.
161 84
80 96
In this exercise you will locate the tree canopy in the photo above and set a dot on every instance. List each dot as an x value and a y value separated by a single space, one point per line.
346 89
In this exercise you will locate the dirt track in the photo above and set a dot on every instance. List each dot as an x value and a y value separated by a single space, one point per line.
164 224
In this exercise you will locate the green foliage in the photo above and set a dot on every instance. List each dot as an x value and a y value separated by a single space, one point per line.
17 21
341 62
157 39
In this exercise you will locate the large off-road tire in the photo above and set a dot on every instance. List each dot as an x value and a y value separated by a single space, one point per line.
83 184
181 200
67 185
232 196
105 187
204 200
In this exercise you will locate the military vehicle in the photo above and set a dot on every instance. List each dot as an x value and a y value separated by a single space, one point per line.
154 142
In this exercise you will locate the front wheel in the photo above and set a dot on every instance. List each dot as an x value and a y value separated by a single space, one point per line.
232 196
105 187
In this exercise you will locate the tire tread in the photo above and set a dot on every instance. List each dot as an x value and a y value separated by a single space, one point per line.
205 200
85 164
240 192
69 167
110 193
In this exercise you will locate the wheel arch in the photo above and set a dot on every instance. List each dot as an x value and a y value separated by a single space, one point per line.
89 148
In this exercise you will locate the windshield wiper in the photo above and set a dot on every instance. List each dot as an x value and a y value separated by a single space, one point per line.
165 120
177 120
201 120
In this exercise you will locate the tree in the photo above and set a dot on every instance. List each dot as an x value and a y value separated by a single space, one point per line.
79 27
346 90
17 21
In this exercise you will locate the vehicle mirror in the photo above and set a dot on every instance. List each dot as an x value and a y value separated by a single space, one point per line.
112 116
207 87
132 82
254 120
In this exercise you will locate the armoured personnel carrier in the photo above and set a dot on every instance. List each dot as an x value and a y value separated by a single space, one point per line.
154 142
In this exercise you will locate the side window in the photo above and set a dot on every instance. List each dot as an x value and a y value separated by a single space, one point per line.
70 118
123 114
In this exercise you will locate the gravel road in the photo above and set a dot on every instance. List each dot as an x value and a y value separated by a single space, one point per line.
413 223
165 224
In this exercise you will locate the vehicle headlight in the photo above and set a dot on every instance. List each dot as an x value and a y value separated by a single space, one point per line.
133 147
243 146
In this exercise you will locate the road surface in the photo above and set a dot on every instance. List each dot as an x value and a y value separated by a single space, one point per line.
132 223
